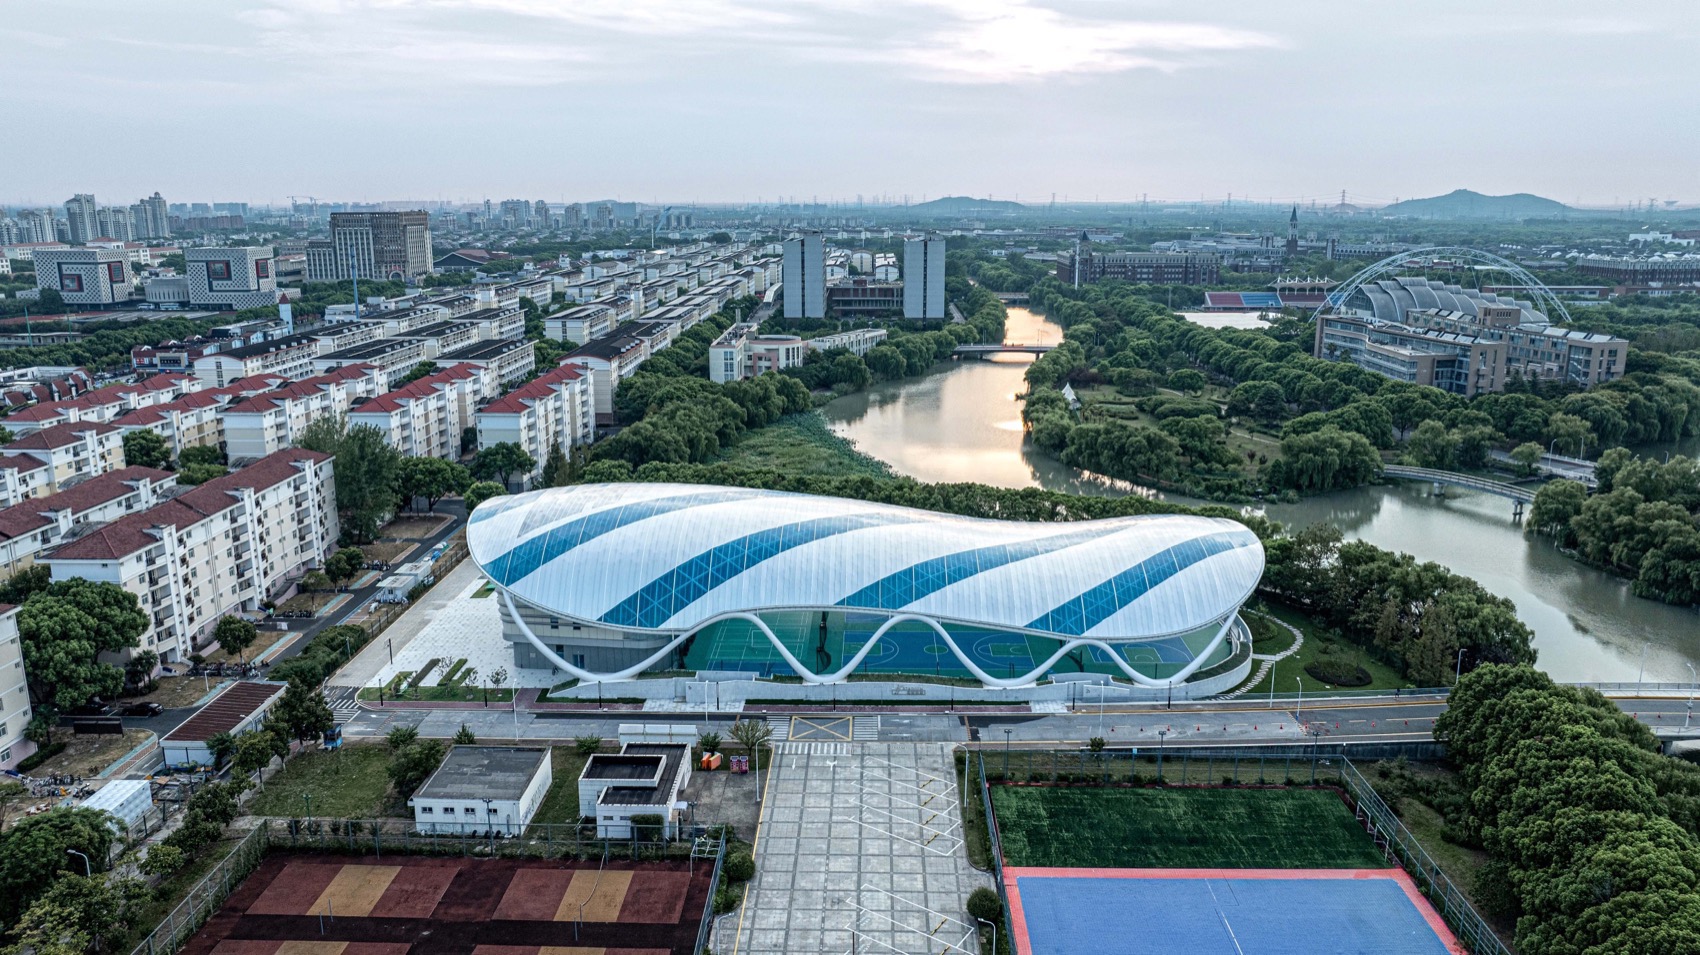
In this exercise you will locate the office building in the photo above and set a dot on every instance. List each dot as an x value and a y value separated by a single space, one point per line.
923 279
742 353
219 548
80 212
805 276
230 278
379 245
1140 268
94 278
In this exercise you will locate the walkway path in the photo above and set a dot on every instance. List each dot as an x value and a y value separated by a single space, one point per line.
1268 659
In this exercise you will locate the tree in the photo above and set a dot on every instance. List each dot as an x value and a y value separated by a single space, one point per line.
34 854
464 736
303 712
1433 447
145 449
413 764
1325 460
556 470
1556 504
235 635
162 860
79 915
64 630
400 738
255 751
1527 456
417 372
480 492
315 580
497 678
365 471
1568 433
1187 381
983 903
430 478
499 462
201 454
345 564
222 746
190 475
138 670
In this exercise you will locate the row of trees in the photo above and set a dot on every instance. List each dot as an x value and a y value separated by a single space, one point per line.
1643 523
1589 830
1421 618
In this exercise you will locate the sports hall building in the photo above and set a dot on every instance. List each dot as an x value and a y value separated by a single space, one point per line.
606 581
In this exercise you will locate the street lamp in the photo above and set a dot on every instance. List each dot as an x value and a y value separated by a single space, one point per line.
1458 670
88 869
391 642
1299 713
1006 731
1691 682
488 826
1162 735
308 798
1641 676
994 928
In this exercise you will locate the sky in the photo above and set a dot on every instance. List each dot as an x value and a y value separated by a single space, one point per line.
732 100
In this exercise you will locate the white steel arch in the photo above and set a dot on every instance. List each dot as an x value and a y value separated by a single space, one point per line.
1538 290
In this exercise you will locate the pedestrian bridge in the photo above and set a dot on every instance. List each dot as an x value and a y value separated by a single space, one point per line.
1516 492
1015 348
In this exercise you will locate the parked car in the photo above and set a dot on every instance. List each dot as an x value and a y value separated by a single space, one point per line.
142 709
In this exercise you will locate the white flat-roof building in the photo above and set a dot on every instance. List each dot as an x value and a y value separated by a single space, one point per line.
483 789
643 779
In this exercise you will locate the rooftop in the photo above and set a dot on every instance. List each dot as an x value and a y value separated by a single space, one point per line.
484 772
672 756
227 711
486 349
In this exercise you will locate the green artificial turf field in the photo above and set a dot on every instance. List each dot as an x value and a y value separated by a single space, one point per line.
1180 829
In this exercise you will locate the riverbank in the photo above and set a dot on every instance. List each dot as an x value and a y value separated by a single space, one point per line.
802 444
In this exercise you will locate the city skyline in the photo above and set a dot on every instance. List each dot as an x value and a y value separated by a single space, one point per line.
1014 99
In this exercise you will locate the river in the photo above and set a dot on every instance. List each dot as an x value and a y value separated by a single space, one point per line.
962 422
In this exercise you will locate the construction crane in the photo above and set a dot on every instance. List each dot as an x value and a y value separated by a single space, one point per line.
313 203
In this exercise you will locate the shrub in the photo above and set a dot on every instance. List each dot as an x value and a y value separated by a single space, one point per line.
727 898
646 827
162 860
464 736
1338 672
983 903
585 745
40 756
740 867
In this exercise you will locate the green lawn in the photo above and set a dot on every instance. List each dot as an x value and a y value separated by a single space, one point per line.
1180 828
560 805
441 694
1288 672
348 783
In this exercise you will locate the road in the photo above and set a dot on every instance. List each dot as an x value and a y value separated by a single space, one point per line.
1236 723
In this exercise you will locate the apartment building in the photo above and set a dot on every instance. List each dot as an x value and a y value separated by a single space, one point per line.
393 357
15 713
496 322
425 418
273 420
289 357
73 452
445 336
216 549
192 421
28 528
582 323
612 359
1153 268
22 477
557 408
104 404
335 338
508 360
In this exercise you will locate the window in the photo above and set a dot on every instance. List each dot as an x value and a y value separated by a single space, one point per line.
491 810
115 271
70 281
262 268
218 271
426 810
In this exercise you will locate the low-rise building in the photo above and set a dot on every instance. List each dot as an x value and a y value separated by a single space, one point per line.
857 341
273 420
478 790
555 409
740 352
216 549
240 708
643 779
393 357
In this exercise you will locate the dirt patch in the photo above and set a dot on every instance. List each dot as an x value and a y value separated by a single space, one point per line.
414 528
311 602
88 755
177 691
390 552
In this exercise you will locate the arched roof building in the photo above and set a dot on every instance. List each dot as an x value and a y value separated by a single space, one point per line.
606 581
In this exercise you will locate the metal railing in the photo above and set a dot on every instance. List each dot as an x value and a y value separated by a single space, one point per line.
707 925
994 846
1455 479
206 896
538 840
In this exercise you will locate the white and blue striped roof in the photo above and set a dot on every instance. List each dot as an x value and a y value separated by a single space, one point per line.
670 557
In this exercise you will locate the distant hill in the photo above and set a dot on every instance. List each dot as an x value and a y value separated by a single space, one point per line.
1465 204
966 205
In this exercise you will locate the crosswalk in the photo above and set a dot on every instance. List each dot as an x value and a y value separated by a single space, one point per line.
344 704
819 749
865 729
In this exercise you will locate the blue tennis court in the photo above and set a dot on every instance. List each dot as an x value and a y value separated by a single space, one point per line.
1223 912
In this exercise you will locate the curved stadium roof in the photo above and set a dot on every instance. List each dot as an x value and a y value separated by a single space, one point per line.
1390 299
668 558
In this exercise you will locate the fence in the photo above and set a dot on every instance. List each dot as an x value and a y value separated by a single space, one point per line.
539 840
996 847
1211 767
206 896
707 925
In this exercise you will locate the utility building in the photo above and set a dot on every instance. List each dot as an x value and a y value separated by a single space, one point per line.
923 278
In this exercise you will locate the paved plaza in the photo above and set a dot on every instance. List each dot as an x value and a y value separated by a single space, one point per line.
860 849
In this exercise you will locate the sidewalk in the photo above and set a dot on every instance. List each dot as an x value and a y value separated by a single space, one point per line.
376 655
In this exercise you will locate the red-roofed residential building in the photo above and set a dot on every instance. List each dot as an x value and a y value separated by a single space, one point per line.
14 692
194 420
73 452
273 420
424 419
23 476
104 404
556 408
28 528
216 549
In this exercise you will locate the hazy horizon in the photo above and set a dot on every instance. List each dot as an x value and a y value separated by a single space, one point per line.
717 101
